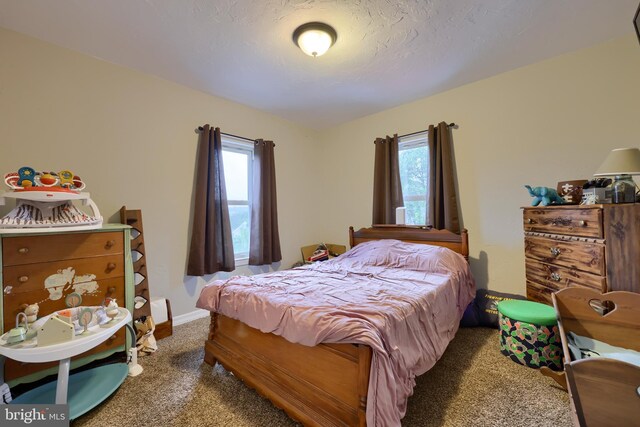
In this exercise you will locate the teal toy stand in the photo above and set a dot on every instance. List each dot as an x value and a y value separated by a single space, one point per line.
82 391
87 389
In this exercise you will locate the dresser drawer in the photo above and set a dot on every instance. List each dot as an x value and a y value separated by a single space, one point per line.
14 369
557 277
92 295
575 222
43 248
583 256
59 274
539 293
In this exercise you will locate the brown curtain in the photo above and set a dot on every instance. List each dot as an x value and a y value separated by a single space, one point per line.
442 201
387 190
211 244
265 239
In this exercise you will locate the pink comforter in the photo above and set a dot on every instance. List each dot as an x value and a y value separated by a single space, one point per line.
403 300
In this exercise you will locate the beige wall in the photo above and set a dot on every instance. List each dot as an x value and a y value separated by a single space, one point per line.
552 121
131 137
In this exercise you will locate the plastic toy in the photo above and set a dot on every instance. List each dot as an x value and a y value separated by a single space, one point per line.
19 333
44 200
26 177
111 308
544 195
85 318
55 331
31 311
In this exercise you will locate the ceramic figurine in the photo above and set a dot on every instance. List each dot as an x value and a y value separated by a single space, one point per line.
545 195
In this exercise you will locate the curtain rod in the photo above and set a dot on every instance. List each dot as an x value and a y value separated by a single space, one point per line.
200 129
451 125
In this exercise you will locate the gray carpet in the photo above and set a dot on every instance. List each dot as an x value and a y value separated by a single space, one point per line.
472 385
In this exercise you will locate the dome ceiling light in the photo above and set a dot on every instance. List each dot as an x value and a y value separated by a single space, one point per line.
314 38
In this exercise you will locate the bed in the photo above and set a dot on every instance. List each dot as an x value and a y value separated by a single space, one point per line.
328 343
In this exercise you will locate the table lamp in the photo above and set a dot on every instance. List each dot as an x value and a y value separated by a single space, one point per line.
621 163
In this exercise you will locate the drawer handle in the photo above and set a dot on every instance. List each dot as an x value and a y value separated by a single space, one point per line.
555 276
23 279
7 290
23 250
583 223
111 290
555 251
110 244
530 221
111 266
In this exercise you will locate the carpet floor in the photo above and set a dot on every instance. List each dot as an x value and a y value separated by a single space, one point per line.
472 385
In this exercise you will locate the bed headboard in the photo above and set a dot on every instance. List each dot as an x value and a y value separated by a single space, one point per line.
413 234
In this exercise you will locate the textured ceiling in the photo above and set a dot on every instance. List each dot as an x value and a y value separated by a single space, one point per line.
388 52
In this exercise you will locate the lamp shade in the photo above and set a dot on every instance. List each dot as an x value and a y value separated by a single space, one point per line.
620 161
314 38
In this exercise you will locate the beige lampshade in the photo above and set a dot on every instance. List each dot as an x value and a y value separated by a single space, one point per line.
620 161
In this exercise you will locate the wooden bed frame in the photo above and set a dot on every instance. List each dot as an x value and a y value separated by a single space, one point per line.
324 385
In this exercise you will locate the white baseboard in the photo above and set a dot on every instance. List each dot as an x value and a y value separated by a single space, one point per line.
190 317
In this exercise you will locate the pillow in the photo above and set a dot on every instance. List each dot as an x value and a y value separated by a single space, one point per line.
486 306
391 253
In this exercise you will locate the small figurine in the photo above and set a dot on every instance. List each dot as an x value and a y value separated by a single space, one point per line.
545 195
32 313
111 309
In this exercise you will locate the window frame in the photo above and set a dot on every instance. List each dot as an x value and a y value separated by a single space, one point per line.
417 140
241 146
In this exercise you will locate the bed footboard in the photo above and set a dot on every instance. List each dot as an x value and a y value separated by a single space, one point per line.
324 385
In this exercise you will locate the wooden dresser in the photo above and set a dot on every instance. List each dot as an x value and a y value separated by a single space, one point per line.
594 246
44 268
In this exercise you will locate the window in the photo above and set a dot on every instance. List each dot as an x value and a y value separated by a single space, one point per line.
414 170
237 158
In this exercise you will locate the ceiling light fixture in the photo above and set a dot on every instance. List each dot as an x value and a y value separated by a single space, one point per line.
314 38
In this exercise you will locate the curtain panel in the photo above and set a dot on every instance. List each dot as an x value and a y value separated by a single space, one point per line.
442 200
211 243
387 189
265 238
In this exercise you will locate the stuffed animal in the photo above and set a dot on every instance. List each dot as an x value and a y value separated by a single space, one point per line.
545 195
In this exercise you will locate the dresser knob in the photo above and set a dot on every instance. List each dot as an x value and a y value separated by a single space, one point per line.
555 276
110 244
555 251
530 221
583 223
7 290
111 290
112 337
23 250
111 266
23 279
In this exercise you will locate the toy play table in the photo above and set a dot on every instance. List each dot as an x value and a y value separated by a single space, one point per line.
88 388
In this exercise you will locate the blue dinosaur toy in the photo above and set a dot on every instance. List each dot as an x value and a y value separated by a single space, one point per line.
545 195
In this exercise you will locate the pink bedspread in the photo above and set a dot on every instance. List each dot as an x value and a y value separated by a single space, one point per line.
403 300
